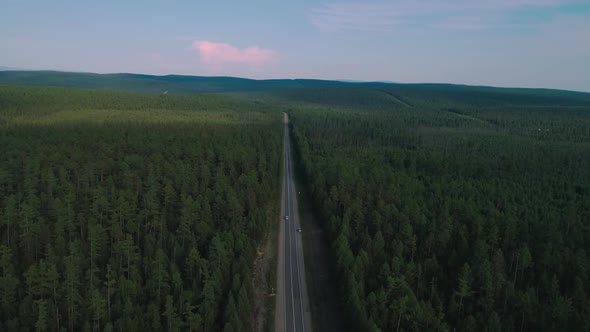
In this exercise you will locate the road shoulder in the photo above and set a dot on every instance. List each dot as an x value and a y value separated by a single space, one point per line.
322 285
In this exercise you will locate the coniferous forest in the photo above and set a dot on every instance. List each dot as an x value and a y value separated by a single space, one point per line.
131 212
445 207
449 210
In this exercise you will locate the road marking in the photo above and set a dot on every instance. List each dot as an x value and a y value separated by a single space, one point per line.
298 267
291 234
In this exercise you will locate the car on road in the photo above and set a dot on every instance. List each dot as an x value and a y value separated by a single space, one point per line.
286 218
299 229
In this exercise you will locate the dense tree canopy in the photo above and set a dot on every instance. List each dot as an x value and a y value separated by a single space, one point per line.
447 207
132 212
452 212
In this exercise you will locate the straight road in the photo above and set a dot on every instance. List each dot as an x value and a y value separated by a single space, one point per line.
292 306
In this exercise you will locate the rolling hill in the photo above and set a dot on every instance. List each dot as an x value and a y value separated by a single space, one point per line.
151 83
309 91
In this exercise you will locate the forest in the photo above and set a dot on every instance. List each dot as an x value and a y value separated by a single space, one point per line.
446 207
449 210
132 212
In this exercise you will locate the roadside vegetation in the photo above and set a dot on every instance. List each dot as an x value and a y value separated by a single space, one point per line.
452 210
132 212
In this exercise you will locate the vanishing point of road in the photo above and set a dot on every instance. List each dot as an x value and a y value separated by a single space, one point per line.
292 304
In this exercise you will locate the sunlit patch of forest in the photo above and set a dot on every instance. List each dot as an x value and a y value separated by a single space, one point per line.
130 212
452 209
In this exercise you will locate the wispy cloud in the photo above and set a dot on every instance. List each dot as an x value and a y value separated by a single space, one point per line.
355 16
387 15
221 53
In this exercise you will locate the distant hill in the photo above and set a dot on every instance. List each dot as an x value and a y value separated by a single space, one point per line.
151 83
384 95
323 92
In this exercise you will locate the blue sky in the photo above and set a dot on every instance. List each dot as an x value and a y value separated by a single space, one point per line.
526 43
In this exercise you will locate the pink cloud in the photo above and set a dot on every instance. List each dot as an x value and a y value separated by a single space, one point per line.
219 53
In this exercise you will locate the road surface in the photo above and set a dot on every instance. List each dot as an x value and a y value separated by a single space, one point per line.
292 306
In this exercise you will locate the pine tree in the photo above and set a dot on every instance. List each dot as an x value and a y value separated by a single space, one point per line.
41 323
8 281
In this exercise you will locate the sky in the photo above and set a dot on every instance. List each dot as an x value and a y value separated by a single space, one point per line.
518 43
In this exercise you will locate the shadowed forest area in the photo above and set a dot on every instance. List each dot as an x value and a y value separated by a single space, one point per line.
449 210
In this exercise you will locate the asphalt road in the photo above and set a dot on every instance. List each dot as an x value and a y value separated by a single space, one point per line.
292 312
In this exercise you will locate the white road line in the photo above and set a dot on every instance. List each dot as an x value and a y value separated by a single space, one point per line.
291 232
290 237
286 244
